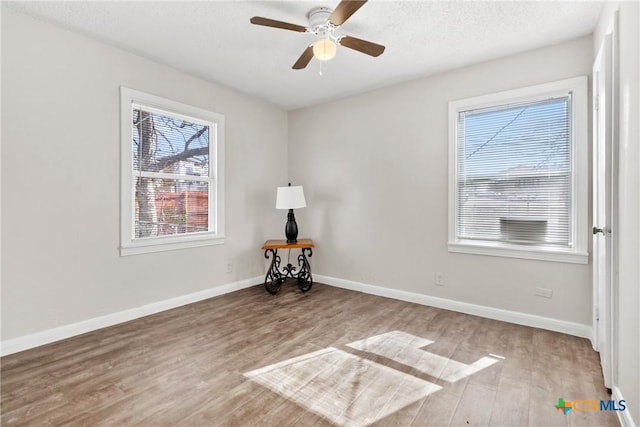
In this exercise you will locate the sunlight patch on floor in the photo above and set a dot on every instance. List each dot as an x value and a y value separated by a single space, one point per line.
343 388
405 348
350 390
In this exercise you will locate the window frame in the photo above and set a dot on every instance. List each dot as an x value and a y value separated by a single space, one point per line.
129 245
579 144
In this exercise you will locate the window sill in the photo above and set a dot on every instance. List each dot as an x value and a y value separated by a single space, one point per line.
516 251
162 244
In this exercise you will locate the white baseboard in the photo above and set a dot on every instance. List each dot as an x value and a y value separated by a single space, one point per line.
26 342
37 339
571 328
623 416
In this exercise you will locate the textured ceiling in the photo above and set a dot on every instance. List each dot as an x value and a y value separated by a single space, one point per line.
215 41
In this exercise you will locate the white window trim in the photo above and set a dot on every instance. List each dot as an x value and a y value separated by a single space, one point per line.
131 246
579 191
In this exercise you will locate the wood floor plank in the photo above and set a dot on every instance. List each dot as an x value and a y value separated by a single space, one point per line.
187 366
475 406
436 410
515 410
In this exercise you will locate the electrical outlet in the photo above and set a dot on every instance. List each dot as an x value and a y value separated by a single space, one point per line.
544 292
439 279
229 267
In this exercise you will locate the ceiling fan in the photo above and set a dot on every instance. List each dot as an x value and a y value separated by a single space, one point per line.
324 24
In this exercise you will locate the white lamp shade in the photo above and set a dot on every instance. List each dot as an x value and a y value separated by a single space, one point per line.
324 49
290 198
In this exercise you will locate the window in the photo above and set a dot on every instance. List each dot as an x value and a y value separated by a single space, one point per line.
172 170
518 173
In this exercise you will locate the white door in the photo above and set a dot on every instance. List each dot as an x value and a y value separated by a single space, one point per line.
602 206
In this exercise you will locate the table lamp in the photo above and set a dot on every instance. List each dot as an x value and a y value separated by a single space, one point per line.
290 198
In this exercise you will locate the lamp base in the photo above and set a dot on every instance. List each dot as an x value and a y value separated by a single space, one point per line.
291 229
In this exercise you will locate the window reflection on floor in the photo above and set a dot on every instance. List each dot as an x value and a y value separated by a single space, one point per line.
350 390
406 349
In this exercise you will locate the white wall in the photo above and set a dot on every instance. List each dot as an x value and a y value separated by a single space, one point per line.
628 96
61 190
374 167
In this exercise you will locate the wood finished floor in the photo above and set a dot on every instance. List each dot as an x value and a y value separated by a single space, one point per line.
185 366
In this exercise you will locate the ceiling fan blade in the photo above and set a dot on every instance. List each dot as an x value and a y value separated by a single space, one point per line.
258 20
363 46
344 10
304 59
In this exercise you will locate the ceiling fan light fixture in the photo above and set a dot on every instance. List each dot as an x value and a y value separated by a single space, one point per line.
325 25
324 49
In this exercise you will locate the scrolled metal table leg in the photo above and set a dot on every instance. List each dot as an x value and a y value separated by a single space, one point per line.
289 271
273 279
305 281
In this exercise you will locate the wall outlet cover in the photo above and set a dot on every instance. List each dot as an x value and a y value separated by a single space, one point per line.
544 292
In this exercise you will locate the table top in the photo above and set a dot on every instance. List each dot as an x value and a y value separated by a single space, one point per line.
282 244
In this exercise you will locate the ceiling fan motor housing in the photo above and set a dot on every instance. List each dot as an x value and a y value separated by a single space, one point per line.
318 17
320 26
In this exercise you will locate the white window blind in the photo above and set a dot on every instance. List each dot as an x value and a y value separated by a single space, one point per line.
171 173
514 173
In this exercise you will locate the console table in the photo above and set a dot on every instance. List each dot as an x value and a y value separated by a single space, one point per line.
276 277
